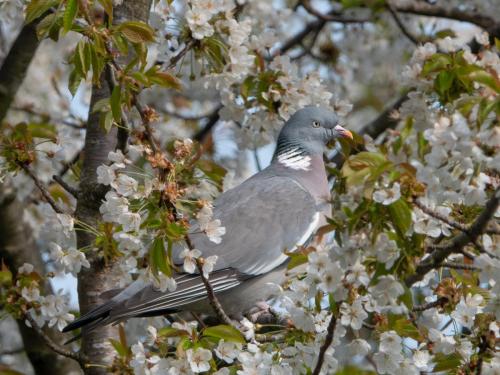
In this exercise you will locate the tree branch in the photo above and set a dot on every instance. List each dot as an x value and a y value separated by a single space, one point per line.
212 298
79 357
16 64
438 303
400 24
328 341
456 244
42 188
201 134
332 16
458 266
437 215
73 191
423 8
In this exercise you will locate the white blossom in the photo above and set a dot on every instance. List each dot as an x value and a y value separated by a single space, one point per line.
387 196
190 257
199 359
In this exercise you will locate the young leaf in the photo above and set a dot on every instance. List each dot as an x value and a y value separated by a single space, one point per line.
36 8
137 32
115 103
158 257
400 215
108 8
69 14
226 332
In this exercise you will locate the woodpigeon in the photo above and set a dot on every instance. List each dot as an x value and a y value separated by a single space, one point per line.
273 211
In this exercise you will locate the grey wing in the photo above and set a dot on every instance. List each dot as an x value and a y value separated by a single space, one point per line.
263 217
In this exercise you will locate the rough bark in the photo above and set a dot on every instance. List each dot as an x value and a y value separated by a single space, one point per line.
17 246
14 68
98 143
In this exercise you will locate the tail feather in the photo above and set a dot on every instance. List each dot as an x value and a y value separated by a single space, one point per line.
140 299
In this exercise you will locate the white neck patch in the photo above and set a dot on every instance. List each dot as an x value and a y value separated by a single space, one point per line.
294 160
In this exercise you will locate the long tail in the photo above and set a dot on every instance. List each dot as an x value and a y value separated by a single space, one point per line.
141 299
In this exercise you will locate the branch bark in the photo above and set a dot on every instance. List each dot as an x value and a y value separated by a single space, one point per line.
328 341
95 280
16 64
422 8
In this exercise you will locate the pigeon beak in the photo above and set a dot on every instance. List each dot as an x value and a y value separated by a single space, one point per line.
342 132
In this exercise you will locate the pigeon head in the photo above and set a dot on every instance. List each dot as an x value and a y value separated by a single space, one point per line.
309 130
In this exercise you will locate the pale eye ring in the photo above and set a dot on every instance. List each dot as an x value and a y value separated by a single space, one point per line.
315 124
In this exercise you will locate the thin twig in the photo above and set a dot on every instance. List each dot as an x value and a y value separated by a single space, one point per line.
331 17
174 60
437 215
458 266
42 188
79 357
461 227
438 303
457 243
400 24
73 191
207 128
212 298
328 341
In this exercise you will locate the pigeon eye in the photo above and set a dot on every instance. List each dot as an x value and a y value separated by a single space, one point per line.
315 124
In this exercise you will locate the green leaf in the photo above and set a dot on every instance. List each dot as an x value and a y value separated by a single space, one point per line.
446 362
137 32
69 14
364 165
120 349
171 332
485 78
120 44
497 43
435 63
167 80
443 82
75 78
36 8
441 34
400 215
5 275
108 8
158 257
116 108
43 130
226 332
106 121
296 259
405 328
50 25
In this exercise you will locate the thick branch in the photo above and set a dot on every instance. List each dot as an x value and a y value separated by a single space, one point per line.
98 143
14 69
423 8
328 341
457 244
